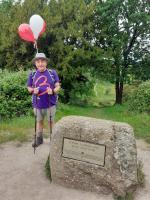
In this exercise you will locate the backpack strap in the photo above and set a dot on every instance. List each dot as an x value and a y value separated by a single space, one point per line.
51 73
33 76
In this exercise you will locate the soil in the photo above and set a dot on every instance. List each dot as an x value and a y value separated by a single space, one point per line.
22 175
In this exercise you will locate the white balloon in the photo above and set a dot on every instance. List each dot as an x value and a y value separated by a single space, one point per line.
36 23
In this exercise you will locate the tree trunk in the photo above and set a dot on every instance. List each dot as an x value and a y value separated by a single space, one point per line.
119 85
119 92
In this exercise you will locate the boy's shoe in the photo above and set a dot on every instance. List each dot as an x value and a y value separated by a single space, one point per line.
39 140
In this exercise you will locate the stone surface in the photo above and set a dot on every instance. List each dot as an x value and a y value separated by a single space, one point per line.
119 174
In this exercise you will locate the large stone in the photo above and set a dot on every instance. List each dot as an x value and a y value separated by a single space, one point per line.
94 155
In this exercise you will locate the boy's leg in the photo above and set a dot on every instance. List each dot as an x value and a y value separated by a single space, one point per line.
40 132
39 126
51 114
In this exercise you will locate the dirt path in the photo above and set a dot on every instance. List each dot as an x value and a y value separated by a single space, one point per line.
22 175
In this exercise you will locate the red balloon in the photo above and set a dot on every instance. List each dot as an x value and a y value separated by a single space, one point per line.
26 33
43 30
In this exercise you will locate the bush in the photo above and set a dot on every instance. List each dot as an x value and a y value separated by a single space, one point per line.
129 90
81 93
14 97
140 99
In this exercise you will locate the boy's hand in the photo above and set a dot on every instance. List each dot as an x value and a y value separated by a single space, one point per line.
36 90
49 90
30 89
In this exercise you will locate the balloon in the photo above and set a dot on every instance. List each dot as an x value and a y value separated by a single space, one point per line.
43 30
26 33
36 23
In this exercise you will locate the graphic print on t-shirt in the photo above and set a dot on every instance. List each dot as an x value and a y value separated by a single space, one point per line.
43 80
43 84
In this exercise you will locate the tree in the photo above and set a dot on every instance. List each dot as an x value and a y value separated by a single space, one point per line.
140 69
66 41
122 27
70 45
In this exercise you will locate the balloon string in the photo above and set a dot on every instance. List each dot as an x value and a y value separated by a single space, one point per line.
35 46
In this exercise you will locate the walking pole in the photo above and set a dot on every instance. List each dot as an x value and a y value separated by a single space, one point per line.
50 140
50 119
35 123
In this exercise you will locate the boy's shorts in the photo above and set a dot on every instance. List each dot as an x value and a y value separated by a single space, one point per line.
41 113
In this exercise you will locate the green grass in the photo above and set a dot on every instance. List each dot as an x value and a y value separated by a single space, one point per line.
140 174
129 196
48 169
21 129
104 94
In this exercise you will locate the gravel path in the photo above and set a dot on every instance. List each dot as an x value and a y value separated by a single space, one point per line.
22 175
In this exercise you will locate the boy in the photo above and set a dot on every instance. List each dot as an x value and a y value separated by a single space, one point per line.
44 86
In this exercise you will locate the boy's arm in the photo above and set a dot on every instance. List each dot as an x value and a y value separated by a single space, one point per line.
57 87
30 87
29 84
57 83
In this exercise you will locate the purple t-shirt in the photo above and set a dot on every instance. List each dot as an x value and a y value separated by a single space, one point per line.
45 79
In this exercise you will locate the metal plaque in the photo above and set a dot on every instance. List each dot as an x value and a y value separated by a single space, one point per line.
84 151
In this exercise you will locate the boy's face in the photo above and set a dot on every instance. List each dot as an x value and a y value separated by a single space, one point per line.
41 64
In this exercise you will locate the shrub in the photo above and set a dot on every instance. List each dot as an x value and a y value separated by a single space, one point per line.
129 89
81 93
14 97
140 99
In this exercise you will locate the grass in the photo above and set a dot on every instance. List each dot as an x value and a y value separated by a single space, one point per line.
47 169
129 196
140 174
22 128
19 129
104 93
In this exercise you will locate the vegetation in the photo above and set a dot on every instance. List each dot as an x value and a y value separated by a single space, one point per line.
81 38
140 174
124 35
139 101
22 128
103 64
129 196
14 97
47 168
